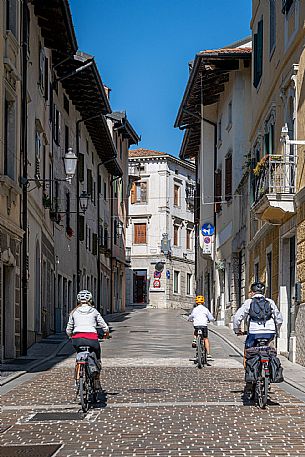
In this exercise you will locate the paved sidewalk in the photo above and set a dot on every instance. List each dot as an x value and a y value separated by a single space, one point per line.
294 374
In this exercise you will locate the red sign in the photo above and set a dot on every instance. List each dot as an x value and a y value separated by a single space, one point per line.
157 283
157 274
207 240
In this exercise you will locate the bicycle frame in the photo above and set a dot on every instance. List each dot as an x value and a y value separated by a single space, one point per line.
200 349
84 379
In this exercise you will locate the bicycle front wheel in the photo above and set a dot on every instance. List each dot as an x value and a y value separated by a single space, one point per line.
84 390
199 352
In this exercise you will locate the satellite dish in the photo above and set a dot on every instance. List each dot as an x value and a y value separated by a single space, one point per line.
159 266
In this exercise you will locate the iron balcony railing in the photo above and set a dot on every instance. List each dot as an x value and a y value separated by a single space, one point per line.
274 174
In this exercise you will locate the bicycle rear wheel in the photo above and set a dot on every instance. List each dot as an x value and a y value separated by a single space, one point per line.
262 391
199 352
84 389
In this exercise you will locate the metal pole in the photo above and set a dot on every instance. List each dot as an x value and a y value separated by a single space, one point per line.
24 328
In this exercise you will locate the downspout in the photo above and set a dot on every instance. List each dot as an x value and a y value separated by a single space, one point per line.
111 244
25 24
77 210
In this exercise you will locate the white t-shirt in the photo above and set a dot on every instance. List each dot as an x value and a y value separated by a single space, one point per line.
200 316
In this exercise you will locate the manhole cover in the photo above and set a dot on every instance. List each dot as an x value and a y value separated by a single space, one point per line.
138 331
148 390
43 450
57 416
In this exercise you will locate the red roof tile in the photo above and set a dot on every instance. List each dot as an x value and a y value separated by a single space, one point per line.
226 51
141 152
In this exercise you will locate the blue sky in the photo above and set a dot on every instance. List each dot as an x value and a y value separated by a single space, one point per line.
142 48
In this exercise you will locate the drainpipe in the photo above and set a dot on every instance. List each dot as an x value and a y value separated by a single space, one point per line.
24 327
111 244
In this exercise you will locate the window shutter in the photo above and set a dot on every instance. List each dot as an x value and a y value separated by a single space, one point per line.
81 167
140 233
81 228
133 193
228 178
255 82
259 50
94 243
218 191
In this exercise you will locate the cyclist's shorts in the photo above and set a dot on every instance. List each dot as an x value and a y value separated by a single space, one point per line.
204 331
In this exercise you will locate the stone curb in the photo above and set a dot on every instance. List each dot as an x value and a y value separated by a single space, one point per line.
35 364
287 380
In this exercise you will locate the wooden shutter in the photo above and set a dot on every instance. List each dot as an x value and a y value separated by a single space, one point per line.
176 195
218 190
228 178
255 82
81 167
81 228
140 233
94 243
260 49
133 193
89 183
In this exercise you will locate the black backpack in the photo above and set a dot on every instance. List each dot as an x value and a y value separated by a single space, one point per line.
260 310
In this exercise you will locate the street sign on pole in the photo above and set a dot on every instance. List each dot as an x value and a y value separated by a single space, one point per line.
207 229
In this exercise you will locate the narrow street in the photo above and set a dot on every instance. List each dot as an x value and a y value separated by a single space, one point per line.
155 401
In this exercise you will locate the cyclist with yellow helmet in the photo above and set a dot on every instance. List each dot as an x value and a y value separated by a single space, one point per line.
201 316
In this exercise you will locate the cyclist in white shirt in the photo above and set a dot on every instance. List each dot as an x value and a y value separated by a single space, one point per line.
201 316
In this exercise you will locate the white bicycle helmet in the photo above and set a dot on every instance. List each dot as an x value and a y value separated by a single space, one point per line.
84 296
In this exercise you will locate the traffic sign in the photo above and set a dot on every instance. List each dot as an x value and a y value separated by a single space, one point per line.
207 229
206 239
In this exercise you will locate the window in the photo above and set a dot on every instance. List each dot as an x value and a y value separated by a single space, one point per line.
269 140
272 26
81 167
105 190
9 138
121 149
46 78
11 16
66 104
218 190
176 195
176 282
41 77
228 178
105 242
140 233
139 192
189 284
258 54
68 212
37 154
291 20
66 138
229 115
176 235
188 238
89 183
269 274
256 271
94 244
56 126
81 228
286 5
220 130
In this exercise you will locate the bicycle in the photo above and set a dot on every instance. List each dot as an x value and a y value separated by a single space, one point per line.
261 385
201 354
85 380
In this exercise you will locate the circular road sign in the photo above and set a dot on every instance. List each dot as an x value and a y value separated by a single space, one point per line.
207 229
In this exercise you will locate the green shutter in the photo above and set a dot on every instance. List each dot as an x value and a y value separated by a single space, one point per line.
94 243
260 46
81 167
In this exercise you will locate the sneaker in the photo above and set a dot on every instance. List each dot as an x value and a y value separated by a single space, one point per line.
209 357
194 343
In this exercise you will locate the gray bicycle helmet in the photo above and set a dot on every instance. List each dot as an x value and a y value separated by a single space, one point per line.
84 296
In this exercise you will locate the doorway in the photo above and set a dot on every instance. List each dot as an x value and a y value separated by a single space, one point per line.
8 301
140 286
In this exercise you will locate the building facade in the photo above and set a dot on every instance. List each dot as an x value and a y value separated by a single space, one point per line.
56 229
160 234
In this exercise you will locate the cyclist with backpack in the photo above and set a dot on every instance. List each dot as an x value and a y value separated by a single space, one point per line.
264 317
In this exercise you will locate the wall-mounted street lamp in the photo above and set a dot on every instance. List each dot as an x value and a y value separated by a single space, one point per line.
83 201
119 229
285 137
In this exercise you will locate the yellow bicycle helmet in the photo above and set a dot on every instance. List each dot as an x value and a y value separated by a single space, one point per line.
199 300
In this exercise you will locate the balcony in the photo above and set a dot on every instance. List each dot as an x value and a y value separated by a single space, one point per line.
274 187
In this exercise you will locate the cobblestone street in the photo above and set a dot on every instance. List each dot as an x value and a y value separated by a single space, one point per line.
155 401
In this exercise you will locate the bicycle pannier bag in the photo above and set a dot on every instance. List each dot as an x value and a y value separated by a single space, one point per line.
93 363
252 365
276 370
260 310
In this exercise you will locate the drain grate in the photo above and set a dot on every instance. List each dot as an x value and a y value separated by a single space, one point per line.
57 416
147 390
138 331
40 450
234 355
